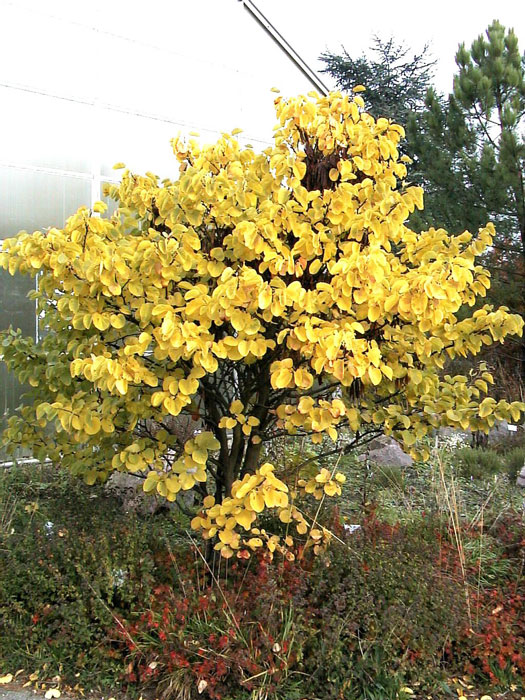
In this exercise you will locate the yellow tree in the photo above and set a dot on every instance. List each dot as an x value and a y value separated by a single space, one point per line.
261 294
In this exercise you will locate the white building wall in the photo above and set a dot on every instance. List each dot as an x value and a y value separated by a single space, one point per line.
87 83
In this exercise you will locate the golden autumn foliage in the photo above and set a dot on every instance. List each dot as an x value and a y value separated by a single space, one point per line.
260 294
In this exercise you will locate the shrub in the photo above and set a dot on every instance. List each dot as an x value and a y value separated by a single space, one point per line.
496 648
372 613
69 561
514 460
477 463
111 596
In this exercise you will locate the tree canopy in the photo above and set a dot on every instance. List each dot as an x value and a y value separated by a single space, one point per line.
396 84
469 153
261 295
467 150
479 132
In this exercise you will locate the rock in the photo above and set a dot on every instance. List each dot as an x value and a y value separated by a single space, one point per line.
499 432
381 441
386 452
520 481
128 489
453 437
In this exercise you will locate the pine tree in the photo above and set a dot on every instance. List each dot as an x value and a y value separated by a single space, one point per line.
469 154
470 148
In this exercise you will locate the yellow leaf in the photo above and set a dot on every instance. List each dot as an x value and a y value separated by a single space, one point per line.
282 378
90 477
330 489
200 456
6 679
122 386
265 297
315 266
375 375
256 501
486 407
100 207
285 516
188 386
227 422
92 425
245 518
226 536
236 406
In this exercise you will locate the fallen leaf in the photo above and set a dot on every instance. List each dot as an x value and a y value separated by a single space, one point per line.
201 687
52 693
6 679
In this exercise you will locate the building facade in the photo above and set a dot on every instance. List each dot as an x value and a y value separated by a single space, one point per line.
84 85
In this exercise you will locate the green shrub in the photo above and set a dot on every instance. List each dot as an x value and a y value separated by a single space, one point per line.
70 559
385 611
477 463
514 461
389 477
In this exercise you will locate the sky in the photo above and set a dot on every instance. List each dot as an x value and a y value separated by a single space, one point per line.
313 26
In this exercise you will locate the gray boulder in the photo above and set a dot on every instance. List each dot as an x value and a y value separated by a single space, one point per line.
128 490
499 432
384 451
520 481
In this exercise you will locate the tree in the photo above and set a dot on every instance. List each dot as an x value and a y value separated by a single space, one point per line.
262 294
478 132
443 151
396 85
469 153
